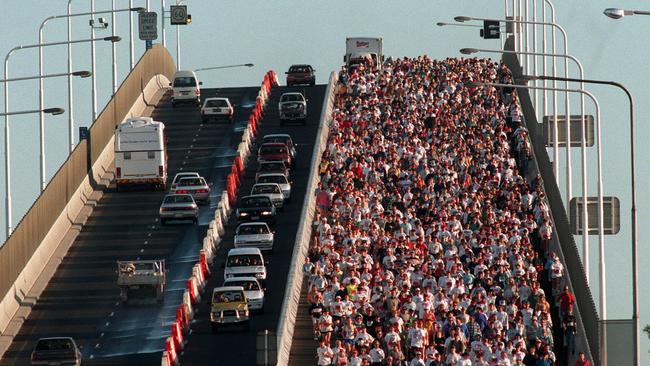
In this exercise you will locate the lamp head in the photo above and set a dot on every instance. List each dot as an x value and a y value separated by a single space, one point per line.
249 65
441 24
113 38
615 13
462 19
82 74
54 111
468 51
139 9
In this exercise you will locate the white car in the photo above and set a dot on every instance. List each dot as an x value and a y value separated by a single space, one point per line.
280 179
178 177
252 289
195 186
185 88
272 191
245 262
254 234
217 108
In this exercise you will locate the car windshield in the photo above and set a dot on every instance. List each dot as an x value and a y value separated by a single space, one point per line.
272 167
178 199
299 69
274 150
292 98
228 296
252 230
178 177
54 344
244 260
256 202
191 182
216 103
280 139
263 189
184 82
279 179
247 285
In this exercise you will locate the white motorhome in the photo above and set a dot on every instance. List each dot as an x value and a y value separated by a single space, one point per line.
140 154
363 49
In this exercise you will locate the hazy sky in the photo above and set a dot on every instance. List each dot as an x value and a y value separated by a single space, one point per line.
275 34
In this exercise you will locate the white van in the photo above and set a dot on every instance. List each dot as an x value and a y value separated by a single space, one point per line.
185 88
140 153
245 262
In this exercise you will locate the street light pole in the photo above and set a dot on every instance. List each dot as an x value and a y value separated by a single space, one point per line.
6 93
223 67
583 145
601 242
567 107
633 212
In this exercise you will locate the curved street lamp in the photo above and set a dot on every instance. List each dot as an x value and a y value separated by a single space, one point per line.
616 13
6 116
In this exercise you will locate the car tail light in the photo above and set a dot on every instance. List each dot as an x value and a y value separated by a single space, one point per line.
198 91
161 170
182 191
118 172
201 191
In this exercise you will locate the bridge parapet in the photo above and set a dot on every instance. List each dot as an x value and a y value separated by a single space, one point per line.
26 255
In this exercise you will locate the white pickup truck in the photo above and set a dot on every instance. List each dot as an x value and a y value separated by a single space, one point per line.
141 277
293 107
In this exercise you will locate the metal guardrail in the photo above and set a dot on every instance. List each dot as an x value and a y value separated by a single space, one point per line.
301 247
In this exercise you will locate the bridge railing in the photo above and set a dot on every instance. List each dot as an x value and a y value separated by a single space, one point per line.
563 243
38 234
303 235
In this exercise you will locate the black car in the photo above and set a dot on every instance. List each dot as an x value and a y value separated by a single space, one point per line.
256 208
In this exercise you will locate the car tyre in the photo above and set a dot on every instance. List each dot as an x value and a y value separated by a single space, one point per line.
214 328
163 222
247 325
312 83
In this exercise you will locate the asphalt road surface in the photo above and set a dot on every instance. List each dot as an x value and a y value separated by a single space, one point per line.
237 347
82 298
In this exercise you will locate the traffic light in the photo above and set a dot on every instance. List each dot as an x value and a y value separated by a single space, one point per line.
491 29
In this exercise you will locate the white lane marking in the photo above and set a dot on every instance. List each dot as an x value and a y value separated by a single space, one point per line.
149 234
183 162
154 226
146 242
117 303
193 140
137 259
97 345
141 250
197 135
111 314
191 146
101 335
186 156
108 323
91 357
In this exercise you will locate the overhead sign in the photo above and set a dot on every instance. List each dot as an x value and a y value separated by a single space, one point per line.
148 25
611 215
491 29
575 130
178 14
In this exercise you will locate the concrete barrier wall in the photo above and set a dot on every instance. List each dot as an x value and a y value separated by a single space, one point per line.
29 249
303 235
562 242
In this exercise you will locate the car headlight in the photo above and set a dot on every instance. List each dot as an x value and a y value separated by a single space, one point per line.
230 275
266 213
242 213
259 275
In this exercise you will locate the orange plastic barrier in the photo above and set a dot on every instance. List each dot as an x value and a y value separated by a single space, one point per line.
177 336
203 261
194 291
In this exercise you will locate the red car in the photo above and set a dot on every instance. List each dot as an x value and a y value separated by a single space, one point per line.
301 74
274 151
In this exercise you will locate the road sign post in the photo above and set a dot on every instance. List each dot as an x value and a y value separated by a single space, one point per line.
178 14
148 25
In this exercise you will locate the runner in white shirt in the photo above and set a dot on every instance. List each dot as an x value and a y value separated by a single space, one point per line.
324 354
377 355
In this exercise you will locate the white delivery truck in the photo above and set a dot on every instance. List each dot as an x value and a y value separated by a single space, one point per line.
140 154
362 50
